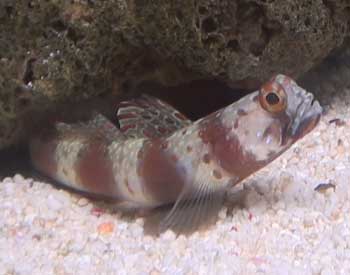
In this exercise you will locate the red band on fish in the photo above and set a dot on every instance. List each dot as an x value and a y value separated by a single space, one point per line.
163 177
226 149
95 169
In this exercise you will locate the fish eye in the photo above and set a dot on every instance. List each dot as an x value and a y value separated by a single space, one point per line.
273 98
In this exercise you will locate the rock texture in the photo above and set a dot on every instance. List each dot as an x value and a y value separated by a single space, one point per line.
58 51
244 40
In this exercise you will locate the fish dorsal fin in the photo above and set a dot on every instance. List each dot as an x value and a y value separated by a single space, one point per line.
98 125
150 117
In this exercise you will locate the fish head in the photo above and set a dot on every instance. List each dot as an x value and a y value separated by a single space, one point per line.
270 120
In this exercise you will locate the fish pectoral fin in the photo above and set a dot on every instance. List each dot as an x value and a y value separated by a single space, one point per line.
191 212
147 116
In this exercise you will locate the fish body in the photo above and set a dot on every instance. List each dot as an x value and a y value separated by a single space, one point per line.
158 156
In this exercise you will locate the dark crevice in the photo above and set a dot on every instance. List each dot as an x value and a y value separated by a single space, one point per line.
330 6
233 45
9 10
74 36
179 15
258 47
198 23
253 38
15 160
270 29
209 25
195 99
31 5
285 17
202 10
307 22
58 26
347 14
28 75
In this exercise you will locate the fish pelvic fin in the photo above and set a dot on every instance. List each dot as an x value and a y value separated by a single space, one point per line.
194 208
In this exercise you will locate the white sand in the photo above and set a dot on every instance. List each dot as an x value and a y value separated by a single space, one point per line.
285 227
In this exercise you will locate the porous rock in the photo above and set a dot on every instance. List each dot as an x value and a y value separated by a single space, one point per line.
59 51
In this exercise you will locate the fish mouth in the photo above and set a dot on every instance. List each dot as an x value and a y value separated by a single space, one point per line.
308 116
303 112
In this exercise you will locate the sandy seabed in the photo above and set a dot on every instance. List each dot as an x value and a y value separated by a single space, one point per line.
284 227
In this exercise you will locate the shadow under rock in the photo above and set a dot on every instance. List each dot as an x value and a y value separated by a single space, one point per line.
15 160
329 79
195 99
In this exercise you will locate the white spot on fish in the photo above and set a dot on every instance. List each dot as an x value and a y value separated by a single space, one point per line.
268 140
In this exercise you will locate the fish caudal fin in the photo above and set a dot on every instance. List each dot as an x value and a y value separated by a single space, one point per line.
149 117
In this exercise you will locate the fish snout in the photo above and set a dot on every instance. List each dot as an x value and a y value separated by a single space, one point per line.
307 117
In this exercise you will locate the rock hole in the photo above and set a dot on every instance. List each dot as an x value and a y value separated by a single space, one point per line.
200 59
258 46
307 22
329 5
28 75
347 12
58 26
79 64
179 15
31 4
285 17
269 29
202 10
73 36
9 10
233 45
208 25
198 23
